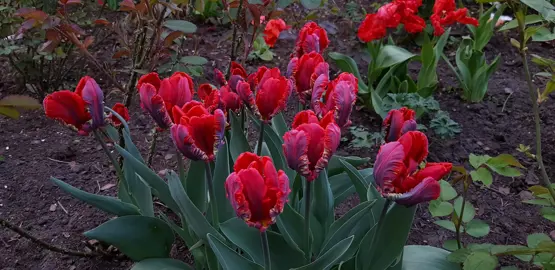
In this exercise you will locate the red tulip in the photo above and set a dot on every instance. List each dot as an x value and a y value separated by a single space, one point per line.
153 103
310 144
230 99
219 77
237 69
255 78
122 111
445 13
272 94
256 191
397 123
198 134
177 90
76 109
210 97
391 15
304 72
272 31
339 95
312 38
396 175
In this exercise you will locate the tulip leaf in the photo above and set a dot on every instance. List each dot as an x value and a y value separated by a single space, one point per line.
354 223
347 64
221 172
341 188
193 216
357 179
279 124
228 258
138 191
105 203
111 132
427 257
184 234
139 237
196 184
248 239
290 224
391 239
322 210
238 142
391 55
9 112
335 167
332 256
151 178
20 102
165 264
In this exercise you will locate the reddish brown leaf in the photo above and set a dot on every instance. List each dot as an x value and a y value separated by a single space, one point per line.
127 5
275 14
51 22
255 11
102 22
168 41
69 2
88 41
121 53
49 46
142 7
53 35
234 4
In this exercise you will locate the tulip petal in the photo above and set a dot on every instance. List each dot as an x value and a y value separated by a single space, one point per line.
68 107
272 96
427 190
415 145
331 142
94 98
220 127
409 125
185 143
122 111
344 97
254 191
320 87
292 66
389 166
247 160
159 112
234 192
203 130
304 117
151 78
219 77
245 93
295 150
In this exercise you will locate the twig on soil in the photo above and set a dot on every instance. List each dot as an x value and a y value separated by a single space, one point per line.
505 103
50 247
63 208
59 161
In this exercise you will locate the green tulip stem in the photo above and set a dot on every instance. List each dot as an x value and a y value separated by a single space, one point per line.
181 168
386 205
266 249
301 106
213 206
307 199
115 163
260 139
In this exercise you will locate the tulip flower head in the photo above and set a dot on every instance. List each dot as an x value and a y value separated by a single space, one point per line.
445 13
390 15
311 143
273 29
198 134
304 71
230 99
397 123
396 170
210 97
312 38
256 191
122 111
77 109
339 95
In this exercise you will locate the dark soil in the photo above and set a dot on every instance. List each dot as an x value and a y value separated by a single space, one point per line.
35 148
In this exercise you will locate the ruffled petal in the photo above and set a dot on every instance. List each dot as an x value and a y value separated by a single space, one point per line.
122 111
203 130
389 166
344 97
247 160
320 87
304 117
427 190
94 98
245 93
415 145
295 150
67 107
185 143
151 78
331 142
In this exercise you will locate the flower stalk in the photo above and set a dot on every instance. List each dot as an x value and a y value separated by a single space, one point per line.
260 139
214 207
379 226
307 200
114 161
266 249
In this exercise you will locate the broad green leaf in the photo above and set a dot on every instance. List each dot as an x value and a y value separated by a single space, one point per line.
238 142
139 237
181 25
546 9
477 161
9 112
447 191
20 102
450 244
196 184
469 211
538 202
291 224
188 210
440 209
341 187
391 55
335 166
533 240
248 239
480 260
279 124
189 239
352 223
221 172
482 175
504 160
322 200
346 64
161 264
311 4
138 191
505 171
332 256
459 255
151 178
193 60
477 228
105 203
357 179
447 224
529 19
426 257
274 143
548 213
228 258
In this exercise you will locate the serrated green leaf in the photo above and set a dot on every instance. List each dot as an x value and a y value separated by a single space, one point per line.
469 211
155 241
447 191
504 160
505 171
477 228
538 202
19 101
482 175
311 4
447 224
440 209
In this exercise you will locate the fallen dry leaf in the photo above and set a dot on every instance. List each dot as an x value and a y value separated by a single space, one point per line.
107 186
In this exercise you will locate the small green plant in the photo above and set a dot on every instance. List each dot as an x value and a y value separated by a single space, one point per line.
444 126
362 138
261 50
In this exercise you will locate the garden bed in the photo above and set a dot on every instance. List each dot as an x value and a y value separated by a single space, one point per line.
35 148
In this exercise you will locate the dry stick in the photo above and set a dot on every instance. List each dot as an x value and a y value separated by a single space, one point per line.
234 45
459 221
152 147
45 245
534 99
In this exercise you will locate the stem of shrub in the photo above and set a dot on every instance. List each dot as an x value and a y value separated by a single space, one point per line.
534 99
307 200
266 249
459 221
260 139
214 207
380 224
114 161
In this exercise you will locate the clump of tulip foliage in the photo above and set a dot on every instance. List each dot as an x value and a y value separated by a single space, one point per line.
270 207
